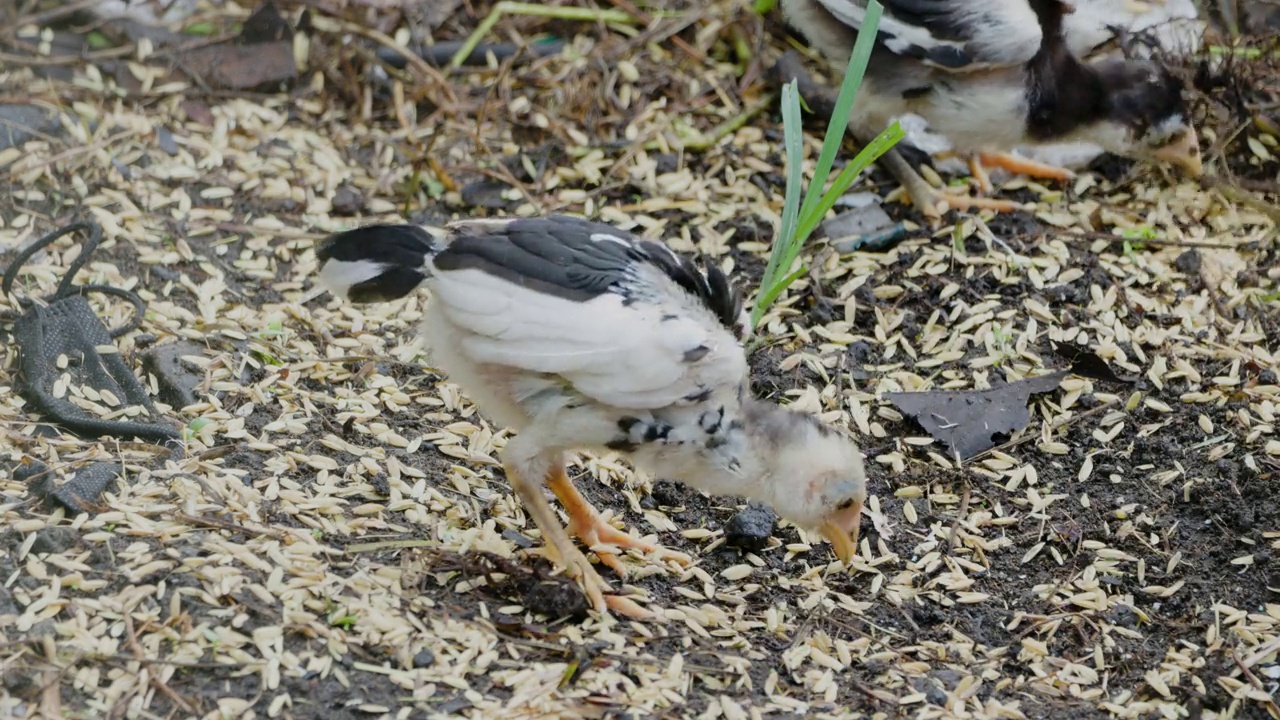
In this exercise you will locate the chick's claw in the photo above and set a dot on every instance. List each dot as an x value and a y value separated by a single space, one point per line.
596 533
597 590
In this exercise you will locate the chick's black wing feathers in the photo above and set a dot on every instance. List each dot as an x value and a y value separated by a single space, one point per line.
711 286
392 245
954 35
562 256
578 260
375 263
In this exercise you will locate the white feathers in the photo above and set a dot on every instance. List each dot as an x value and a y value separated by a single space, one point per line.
628 355
338 276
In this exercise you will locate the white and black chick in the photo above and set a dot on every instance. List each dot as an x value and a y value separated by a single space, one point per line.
579 336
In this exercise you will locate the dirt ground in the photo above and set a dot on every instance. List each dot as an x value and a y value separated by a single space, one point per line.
335 537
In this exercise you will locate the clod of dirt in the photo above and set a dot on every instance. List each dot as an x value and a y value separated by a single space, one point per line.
424 658
21 683
1188 263
859 354
669 493
177 379
347 201
750 529
54 540
555 599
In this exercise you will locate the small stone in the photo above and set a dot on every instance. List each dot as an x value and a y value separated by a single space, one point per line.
177 380
20 123
347 201
54 540
486 193
165 140
750 529
556 599
1188 262
424 658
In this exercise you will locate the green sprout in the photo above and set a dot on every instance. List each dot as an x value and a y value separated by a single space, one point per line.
345 621
201 29
275 328
800 219
194 427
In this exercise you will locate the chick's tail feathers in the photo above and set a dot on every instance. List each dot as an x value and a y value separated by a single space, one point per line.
376 263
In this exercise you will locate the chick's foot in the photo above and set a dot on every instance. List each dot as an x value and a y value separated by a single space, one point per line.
596 533
1025 166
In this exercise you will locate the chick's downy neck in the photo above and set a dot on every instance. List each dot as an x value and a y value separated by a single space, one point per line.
768 454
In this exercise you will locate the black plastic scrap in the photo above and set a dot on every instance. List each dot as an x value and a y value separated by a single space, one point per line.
64 325
972 421
76 491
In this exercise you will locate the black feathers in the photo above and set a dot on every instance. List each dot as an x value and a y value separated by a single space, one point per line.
711 287
579 260
1142 94
393 284
375 263
558 255
395 245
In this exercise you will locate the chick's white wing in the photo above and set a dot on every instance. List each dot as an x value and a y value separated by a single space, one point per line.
954 35
641 354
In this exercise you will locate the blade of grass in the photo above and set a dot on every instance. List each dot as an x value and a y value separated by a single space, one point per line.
839 122
773 292
869 154
802 211
793 141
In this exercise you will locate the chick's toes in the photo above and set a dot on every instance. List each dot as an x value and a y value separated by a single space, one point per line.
1026 166
586 523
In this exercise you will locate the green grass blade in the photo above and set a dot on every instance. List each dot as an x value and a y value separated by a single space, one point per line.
869 154
773 292
793 142
839 123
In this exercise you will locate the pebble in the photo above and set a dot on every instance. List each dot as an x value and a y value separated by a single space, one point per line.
750 529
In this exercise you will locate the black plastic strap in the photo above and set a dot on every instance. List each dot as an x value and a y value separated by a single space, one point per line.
65 288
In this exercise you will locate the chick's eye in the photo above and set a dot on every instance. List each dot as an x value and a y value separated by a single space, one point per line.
845 505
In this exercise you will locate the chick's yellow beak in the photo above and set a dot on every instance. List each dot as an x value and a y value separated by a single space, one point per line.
841 530
1183 153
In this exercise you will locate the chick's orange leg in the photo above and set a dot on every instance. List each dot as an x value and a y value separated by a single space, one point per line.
559 545
930 201
980 175
1025 166
585 522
